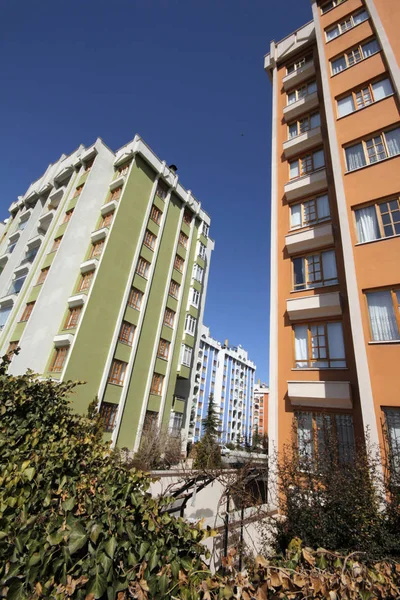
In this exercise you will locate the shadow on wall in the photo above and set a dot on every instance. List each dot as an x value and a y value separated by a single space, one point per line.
200 513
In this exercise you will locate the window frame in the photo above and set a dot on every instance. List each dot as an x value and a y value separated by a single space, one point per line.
183 240
88 276
202 251
42 276
298 121
179 263
299 95
339 24
353 95
328 416
126 333
157 384
187 216
107 219
364 141
139 298
311 360
310 223
71 322
67 216
303 157
56 244
194 292
334 3
190 319
169 322
149 240
379 220
185 349
115 194
78 190
116 375
163 349
97 248
352 51
155 214
321 282
299 64
60 352
109 416
27 312
174 288
124 168
396 310
143 272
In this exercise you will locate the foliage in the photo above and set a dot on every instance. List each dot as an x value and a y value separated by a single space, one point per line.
158 449
334 499
74 522
208 452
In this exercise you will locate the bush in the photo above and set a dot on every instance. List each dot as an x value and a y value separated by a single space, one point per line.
158 449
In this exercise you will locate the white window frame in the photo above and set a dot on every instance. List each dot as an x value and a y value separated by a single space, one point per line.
352 96
332 4
360 50
299 92
198 272
342 27
205 229
202 250
186 355
190 324
195 297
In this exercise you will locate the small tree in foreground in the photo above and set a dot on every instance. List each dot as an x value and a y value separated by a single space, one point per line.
158 449
208 452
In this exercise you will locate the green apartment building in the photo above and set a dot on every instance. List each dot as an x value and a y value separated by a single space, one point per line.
104 266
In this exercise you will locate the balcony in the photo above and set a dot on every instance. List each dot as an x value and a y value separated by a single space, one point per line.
99 234
55 197
321 394
317 306
64 339
109 207
299 76
305 185
45 220
303 142
118 182
76 300
89 265
309 239
300 107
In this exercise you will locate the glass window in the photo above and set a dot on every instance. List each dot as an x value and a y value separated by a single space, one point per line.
190 324
73 317
384 316
345 105
319 345
355 157
4 314
392 425
157 384
175 423
163 349
338 65
143 268
370 48
367 224
108 413
381 89
117 372
16 285
58 360
315 270
135 299
186 355
126 333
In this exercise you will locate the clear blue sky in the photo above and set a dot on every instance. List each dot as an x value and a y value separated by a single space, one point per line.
187 75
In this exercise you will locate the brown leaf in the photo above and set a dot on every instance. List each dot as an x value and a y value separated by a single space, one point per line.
38 589
89 597
299 580
308 556
275 578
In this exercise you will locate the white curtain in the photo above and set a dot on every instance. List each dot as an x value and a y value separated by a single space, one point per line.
4 312
370 48
393 141
332 33
382 89
345 106
295 216
323 207
362 16
355 157
338 65
294 169
319 159
300 345
382 316
305 434
292 130
299 273
367 224
336 344
329 267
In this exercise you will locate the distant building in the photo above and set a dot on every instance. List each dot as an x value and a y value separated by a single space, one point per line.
260 408
104 275
227 373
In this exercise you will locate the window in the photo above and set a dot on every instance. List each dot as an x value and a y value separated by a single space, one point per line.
163 349
143 268
174 289
16 285
157 384
126 333
364 96
384 314
183 239
299 64
315 430
198 272
117 372
10 247
123 169
162 190
306 164
11 347
314 270
4 313
27 311
56 244
78 191
73 317
85 281
58 360
106 220
353 56
42 276
194 297
186 355
30 255
89 165
301 92
175 423
169 317
202 251
392 427
135 299
329 5
378 220
348 23
108 413
116 194
68 215
319 346
304 124
374 149
310 212
97 248
22 223
205 229
187 216
190 324
149 240
178 264
155 214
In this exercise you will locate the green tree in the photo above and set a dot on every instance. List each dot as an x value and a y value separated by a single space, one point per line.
208 452
74 521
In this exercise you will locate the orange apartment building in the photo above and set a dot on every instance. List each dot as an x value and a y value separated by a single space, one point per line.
335 226
260 408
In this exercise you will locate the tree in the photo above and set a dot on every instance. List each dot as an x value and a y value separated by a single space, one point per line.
74 521
208 452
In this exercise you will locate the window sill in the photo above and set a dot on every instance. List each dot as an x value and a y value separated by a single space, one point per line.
333 8
163 358
116 384
372 164
388 237
320 369
302 133
149 247
125 343
170 326
379 342
357 63
357 110
142 276
344 32
306 175
317 287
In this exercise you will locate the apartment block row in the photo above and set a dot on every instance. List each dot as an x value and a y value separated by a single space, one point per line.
335 227
104 267
224 374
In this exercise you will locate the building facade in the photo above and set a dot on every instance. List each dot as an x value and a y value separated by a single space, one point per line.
104 275
260 411
226 373
335 223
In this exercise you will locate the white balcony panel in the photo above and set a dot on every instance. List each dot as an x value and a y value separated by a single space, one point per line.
317 306
109 207
99 234
45 220
89 265
118 182
55 197
302 142
306 185
299 76
8 300
76 300
321 394
64 339
21 270
309 239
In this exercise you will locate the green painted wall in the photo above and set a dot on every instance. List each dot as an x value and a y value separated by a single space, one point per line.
89 355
